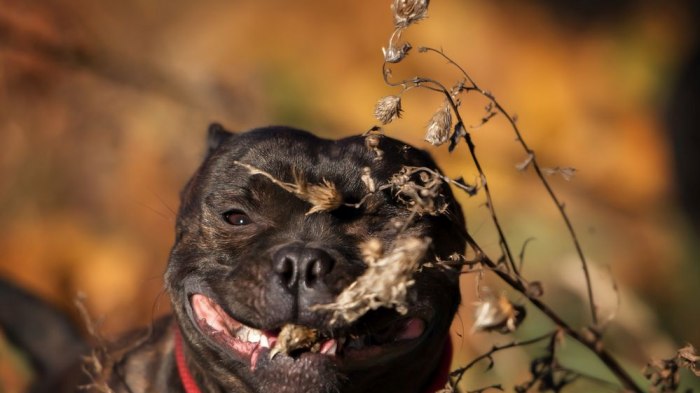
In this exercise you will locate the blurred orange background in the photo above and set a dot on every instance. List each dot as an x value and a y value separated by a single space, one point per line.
104 106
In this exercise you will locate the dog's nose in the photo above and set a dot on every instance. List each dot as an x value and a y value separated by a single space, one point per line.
299 266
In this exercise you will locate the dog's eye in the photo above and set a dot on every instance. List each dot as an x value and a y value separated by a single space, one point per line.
236 217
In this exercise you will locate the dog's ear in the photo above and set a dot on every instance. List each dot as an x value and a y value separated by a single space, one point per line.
216 136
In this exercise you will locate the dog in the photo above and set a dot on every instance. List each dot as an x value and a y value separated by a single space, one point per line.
258 263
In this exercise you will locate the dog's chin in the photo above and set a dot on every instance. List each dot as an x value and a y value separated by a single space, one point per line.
336 353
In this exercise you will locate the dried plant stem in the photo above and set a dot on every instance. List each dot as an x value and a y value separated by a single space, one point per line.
496 386
589 377
459 372
588 338
434 85
466 188
532 161
591 340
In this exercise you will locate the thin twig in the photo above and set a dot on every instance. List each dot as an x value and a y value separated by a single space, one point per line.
496 386
521 256
508 272
590 340
597 380
535 165
438 87
459 372
470 190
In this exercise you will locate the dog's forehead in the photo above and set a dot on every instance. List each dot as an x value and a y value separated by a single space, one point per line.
283 152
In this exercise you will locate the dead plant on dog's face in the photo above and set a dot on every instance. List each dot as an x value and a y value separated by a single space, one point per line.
323 197
493 313
384 283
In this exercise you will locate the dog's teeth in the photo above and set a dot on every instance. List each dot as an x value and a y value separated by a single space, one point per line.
242 333
264 342
254 336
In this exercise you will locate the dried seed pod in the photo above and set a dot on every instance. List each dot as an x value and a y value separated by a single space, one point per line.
387 109
294 337
323 197
498 314
407 12
438 130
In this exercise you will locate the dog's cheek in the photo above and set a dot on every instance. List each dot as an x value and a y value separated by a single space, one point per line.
437 290
175 274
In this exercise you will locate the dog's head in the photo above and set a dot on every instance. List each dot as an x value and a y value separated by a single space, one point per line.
252 255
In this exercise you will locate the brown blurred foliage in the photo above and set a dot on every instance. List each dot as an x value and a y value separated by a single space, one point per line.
103 107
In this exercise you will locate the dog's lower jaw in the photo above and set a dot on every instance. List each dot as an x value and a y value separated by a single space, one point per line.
309 373
227 371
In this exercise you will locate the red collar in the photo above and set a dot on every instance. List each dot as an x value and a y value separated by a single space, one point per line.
186 377
439 381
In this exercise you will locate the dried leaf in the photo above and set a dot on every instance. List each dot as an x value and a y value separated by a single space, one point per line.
688 358
458 133
663 375
566 172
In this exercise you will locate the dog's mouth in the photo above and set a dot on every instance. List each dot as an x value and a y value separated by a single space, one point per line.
346 347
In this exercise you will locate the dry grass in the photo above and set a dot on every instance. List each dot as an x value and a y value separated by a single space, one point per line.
385 282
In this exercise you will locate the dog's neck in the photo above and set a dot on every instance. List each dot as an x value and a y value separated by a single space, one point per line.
439 381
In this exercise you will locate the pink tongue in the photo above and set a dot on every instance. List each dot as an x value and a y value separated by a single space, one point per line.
327 345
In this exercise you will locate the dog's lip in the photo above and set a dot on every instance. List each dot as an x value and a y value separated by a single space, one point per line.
248 344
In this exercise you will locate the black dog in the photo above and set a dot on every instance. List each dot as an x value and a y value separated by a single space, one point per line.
253 256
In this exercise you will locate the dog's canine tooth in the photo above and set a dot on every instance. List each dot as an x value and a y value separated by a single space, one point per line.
264 342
